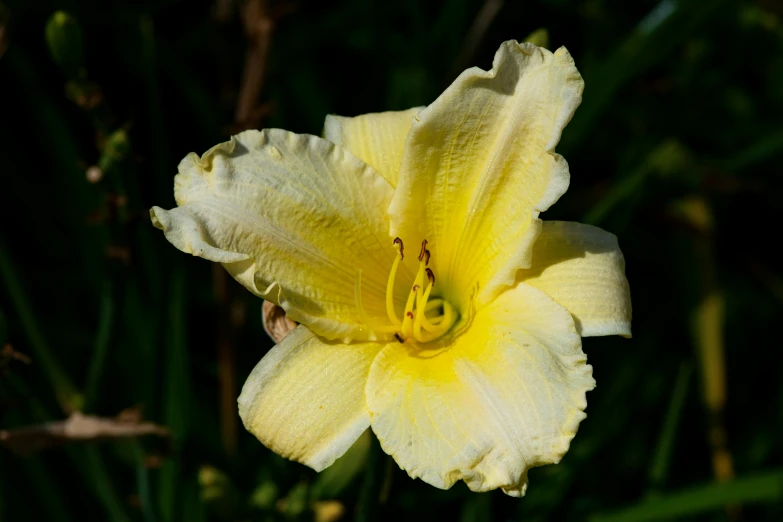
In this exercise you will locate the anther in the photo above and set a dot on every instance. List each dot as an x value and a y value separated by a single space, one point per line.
410 314
399 338
398 241
415 287
430 276
426 257
423 251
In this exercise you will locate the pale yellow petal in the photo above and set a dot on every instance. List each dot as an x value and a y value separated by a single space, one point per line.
582 268
293 218
305 399
505 395
377 139
479 166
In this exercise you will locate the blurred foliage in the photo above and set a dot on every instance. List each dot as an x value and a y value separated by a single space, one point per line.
675 149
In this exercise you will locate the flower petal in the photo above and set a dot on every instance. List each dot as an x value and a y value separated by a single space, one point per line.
377 139
293 218
581 267
479 166
305 399
504 396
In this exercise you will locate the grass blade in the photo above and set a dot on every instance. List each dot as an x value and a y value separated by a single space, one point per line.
177 394
659 470
665 27
765 487
10 282
102 337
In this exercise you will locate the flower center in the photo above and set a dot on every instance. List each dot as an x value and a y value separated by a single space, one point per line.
424 320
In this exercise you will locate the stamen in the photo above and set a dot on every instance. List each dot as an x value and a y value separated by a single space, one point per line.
423 250
425 323
415 322
407 322
390 286
421 308
446 323
357 294
398 241
432 305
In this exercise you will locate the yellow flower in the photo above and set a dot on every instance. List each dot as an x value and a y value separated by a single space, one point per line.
463 353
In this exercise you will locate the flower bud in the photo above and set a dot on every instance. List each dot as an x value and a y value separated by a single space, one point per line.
64 39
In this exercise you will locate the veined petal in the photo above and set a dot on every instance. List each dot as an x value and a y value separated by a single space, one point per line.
293 218
305 399
377 139
581 267
479 166
504 396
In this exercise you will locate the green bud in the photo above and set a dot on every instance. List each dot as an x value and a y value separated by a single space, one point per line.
217 492
115 149
539 37
265 495
296 502
64 39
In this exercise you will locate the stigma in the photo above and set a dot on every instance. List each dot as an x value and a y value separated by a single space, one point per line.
423 319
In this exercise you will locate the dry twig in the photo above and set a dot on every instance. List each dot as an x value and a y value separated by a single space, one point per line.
78 427
4 16
476 33
276 324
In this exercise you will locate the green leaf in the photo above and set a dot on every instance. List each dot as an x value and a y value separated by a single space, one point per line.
177 394
766 487
11 285
659 470
336 478
101 347
666 26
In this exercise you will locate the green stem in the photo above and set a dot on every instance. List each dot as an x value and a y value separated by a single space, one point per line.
101 350
67 395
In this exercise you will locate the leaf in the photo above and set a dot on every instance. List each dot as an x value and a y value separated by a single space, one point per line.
764 487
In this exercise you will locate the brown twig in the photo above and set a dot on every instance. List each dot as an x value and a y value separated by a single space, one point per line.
476 33
4 16
259 21
76 428
224 10
259 24
225 362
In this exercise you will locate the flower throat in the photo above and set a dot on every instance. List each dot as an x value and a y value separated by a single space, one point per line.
423 320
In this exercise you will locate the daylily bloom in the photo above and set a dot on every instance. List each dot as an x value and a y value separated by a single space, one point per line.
434 305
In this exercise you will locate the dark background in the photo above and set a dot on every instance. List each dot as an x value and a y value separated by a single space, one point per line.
676 149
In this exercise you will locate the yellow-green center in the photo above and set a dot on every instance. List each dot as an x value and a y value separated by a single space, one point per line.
423 319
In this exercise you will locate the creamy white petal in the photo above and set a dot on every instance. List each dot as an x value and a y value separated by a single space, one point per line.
293 218
582 268
305 399
378 139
